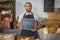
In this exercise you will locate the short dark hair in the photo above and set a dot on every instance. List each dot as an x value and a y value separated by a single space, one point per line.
28 3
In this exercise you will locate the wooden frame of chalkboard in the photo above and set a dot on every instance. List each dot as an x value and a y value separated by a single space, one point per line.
27 24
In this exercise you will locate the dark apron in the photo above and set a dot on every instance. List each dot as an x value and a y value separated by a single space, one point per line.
29 32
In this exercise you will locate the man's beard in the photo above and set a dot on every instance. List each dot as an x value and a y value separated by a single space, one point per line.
28 10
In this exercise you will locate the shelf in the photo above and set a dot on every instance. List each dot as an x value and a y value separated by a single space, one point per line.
6 7
7 0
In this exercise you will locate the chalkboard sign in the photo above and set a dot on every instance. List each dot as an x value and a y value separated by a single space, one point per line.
49 5
28 24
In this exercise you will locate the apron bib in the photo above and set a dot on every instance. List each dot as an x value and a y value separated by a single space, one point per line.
28 16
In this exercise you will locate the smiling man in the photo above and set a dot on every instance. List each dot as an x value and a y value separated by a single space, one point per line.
30 15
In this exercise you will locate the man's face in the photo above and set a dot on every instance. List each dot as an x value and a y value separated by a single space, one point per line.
28 7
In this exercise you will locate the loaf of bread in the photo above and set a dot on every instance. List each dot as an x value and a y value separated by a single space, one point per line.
52 30
9 36
28 38
58 30
37 39
43 30
1 35
20 38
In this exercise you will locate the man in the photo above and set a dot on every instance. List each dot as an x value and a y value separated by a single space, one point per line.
30 15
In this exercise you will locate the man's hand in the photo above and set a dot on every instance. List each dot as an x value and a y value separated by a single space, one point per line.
33 30
39 25
19 25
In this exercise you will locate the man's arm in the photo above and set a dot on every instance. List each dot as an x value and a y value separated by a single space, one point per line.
19 25
38 23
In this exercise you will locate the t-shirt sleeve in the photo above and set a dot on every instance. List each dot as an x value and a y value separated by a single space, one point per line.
36 17
20 18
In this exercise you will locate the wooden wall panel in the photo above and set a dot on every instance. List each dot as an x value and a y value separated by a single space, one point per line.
53 16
